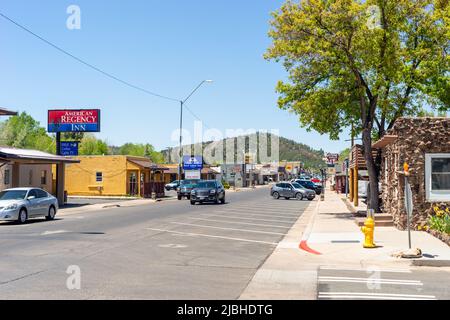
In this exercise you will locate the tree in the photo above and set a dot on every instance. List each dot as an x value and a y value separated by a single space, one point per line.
141 150
365 63
90 145
22 131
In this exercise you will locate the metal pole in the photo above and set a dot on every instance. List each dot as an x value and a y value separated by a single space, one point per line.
408 219
180 152
346 178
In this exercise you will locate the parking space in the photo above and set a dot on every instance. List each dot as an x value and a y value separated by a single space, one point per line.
263 221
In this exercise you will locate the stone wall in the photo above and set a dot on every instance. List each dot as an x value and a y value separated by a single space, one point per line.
416 137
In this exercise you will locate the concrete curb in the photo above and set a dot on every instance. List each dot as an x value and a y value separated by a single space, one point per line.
439 263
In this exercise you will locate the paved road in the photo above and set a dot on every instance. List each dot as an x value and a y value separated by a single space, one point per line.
166 250
377 283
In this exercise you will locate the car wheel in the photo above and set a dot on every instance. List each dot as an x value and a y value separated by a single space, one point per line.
179 197
276 195
193 203
216 200
222 201
299 196
51 213
23 216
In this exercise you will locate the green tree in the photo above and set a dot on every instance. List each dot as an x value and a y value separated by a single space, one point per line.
22 131
141 150
90 145
362 62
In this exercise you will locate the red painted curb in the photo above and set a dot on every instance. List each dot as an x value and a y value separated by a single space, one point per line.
304 246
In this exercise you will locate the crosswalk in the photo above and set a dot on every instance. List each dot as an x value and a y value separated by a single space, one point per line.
371 283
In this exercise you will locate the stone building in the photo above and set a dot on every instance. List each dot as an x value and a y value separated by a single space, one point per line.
424 144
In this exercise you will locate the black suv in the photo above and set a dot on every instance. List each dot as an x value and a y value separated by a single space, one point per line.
308 184
208 191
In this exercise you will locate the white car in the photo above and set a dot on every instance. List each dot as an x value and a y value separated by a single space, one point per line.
21 204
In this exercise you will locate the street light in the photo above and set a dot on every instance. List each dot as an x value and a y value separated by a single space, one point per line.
182 102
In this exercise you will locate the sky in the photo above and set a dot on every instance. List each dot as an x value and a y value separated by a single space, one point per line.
164 46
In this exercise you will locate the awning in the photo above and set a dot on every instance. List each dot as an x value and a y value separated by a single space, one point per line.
384 141
5 112
32 156
147 164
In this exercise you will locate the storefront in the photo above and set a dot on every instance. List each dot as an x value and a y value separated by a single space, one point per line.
115 175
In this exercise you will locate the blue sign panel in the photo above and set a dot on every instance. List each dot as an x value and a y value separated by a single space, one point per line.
69 148
192 162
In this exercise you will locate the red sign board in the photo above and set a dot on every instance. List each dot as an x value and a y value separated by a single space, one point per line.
82 120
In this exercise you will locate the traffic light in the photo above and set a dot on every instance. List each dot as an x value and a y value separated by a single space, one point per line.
248 159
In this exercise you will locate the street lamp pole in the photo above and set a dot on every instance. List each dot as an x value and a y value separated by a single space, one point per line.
182 102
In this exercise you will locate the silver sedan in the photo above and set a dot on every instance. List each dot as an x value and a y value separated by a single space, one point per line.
21 204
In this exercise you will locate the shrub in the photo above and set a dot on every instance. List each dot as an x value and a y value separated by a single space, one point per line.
440 220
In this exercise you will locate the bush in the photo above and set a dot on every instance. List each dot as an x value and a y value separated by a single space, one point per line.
440 220
226 185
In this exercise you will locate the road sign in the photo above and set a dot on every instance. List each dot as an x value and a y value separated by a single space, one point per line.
69 148
408 198
192 162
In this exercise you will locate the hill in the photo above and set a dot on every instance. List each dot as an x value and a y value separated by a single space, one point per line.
289 150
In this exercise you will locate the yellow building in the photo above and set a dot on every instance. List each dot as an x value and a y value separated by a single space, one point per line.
114 175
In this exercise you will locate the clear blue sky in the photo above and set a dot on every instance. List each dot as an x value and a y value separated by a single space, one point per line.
166 46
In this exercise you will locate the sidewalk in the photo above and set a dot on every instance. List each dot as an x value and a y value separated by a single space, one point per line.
328 227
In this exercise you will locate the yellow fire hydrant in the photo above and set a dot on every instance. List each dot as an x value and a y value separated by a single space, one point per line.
368 229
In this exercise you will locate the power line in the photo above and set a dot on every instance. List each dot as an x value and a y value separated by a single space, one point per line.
87 63
107 74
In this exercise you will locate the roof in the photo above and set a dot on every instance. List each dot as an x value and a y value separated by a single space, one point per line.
147 164
9 153
384 141
5 112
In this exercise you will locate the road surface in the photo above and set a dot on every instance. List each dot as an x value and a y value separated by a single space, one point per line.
166 250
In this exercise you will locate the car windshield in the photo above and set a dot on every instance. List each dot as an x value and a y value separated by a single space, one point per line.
297 186
206 185
13 195
189 183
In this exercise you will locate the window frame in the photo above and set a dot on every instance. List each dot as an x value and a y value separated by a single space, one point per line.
7 177
43 177
431 195
97 177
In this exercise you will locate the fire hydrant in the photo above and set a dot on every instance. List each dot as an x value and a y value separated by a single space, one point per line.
368 229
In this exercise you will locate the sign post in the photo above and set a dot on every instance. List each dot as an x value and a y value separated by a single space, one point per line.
408 202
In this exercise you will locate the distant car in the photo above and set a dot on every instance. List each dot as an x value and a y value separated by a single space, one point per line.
308 184
208 191
289 190
185 188
21 204
173 185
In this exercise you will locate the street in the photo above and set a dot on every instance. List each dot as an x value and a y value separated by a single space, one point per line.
166 250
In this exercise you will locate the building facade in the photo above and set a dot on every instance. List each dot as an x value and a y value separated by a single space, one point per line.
115 175
424 144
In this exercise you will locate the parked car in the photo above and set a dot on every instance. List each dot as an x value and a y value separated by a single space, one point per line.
208 191
289 190
173 185
21 204
185 188
308 184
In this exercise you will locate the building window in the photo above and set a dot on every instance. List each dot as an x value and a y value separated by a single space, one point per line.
30 178
6 178
437 176
99 176
43 177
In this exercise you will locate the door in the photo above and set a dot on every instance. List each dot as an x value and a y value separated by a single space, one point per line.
44 201
290 190
133 184
33 203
